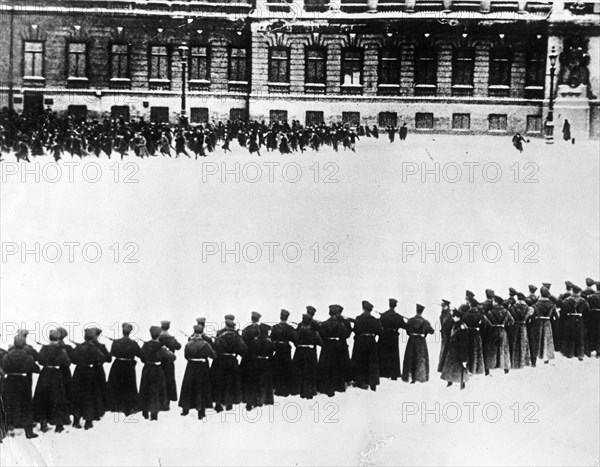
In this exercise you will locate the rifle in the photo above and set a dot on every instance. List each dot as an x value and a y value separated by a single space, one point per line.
186 335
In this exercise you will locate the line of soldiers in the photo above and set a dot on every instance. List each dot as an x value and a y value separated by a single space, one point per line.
50 134
257 364
519 331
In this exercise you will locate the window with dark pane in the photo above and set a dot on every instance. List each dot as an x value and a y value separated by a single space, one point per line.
119 61
426 65
33 58
315 65
500 64
351 67
279 65
199 115
389 66
498 122
463 66
278 116
77 59
237 64
314 117
159 114
535 68
351 118
387 119
424 121
159 62
198 68
461 121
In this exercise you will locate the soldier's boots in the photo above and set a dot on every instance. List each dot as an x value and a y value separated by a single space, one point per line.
154 417
184 412
77 422
29 433
59 429
88 424
44 427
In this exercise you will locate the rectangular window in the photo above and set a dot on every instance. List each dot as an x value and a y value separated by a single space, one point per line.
237 64
237 114
315 65
159 62
198 66
389 66
77 59
159 114
351 118
119 61
33 59
500 64
461 121
424 121
279 65
387 119
314 117
351 67
463 67
199 115
120 111
426 66
278 116
534 124
498 122
535 68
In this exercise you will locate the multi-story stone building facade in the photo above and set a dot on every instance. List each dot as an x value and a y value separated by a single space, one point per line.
439 66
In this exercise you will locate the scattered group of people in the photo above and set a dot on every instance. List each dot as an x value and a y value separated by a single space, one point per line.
36 135
282 360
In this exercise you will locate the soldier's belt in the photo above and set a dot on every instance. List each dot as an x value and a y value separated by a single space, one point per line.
198 360
595 309
497 325
280 342
520 322
573 314
229 354
16 374
308 346
333 338
367 334
474 329
543 317
52 367
262 357
87 365
418 335
124 359
154 363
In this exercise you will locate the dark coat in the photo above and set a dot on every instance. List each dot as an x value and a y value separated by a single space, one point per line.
101 376
454 366
122 393
496 345
66 368
574 311
593 323
260 383
153 396
86 398
387 346
365 358
283 335
305 361
196 388
18 366
416 356
225 372
168 366
332 361
521 353
476 323
542 344
50 400
446 324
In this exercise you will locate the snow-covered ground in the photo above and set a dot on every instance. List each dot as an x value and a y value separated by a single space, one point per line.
329 228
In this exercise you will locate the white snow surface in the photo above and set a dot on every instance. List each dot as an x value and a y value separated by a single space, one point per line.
547 415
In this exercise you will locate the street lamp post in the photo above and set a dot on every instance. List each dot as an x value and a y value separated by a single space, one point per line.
183 50
550 119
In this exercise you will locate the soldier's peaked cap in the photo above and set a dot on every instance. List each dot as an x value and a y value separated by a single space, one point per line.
521 296
393 302
420 308
489 293
532 288
445 302
284 313
367 305
576 288
311 310
512 291
198 328
569 284
255 315
165 323
201 320
89 333
127 327
589 281
547 285
468 293
229 318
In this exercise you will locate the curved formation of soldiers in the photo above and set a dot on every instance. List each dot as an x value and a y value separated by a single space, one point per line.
37 135
476 338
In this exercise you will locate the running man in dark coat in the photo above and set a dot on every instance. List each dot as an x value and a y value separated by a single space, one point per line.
517 142
305 358
496 345
542 343
447 325
387 346
574 310
50 400
86 398
332 361
18 366
196 388
225 372
168 366
454 368
122 385
260 389
416 357
283 335
154 397
593 324
365 359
